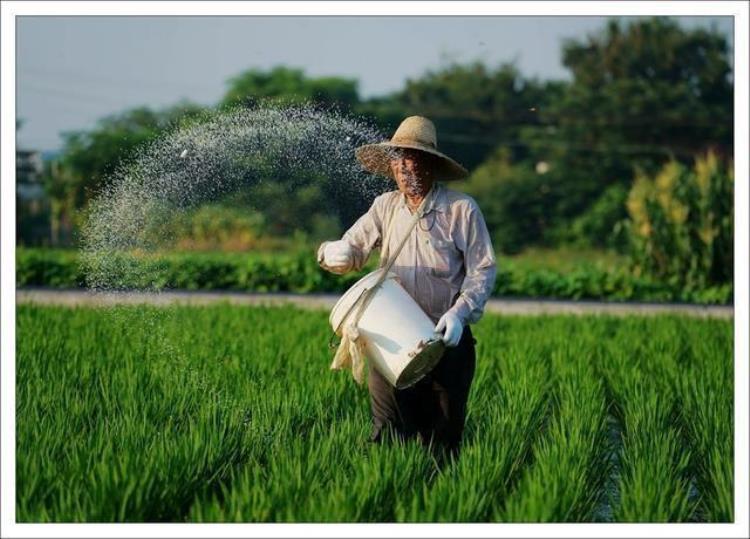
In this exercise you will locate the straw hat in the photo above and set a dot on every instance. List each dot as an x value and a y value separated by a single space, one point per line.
416 133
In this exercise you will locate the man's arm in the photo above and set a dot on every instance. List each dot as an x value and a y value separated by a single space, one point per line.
363 236
481 268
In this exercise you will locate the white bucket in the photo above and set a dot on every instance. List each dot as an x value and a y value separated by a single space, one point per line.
399 337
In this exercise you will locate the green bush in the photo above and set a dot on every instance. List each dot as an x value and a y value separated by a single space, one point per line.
516 201
48 267
597 226
299 273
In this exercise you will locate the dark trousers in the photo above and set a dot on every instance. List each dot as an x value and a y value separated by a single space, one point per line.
434 409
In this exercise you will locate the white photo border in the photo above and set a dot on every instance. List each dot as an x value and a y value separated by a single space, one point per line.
10 10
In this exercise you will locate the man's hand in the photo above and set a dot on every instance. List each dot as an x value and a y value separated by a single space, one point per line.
453 327
337 255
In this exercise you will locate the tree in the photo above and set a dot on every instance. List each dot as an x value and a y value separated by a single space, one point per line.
515 200
476 108
291 86
642 94
89 157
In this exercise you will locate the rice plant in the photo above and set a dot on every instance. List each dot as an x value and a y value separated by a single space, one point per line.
706 393
566 480
230 414
654 476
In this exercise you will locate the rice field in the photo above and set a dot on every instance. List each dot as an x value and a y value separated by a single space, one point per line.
230 414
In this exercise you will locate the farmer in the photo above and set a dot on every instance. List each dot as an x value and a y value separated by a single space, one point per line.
447 265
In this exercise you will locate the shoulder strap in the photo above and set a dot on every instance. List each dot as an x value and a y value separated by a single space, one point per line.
415 218
364 299
391 259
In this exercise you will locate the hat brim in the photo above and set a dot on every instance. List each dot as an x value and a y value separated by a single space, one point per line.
376 158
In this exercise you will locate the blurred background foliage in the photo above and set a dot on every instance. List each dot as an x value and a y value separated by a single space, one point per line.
631 158
681 222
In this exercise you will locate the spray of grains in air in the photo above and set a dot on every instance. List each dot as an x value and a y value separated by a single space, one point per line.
204 161
130 226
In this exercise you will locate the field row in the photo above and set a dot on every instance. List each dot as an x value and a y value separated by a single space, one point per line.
230 414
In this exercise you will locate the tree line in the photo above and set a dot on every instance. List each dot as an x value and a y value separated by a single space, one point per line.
552 162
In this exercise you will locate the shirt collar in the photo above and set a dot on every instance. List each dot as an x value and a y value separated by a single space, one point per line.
436 199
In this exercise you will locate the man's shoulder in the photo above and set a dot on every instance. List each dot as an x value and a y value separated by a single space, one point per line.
383 204
458 199
386 198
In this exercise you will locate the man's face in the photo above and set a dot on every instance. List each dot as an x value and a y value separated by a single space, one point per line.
409 168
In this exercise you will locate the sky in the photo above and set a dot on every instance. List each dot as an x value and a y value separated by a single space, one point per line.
71 71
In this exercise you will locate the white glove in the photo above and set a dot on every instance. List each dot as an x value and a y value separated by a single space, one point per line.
337 255
451 323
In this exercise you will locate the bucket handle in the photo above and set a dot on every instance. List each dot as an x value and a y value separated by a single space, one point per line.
369 292
365 292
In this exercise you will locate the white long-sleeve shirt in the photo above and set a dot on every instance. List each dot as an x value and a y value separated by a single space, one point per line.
447 262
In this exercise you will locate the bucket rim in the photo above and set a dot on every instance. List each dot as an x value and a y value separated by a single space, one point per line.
357 289
416 369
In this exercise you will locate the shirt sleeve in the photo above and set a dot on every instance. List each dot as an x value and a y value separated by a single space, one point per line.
480 265
363 236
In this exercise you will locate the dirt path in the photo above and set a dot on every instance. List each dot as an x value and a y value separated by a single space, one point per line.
326 301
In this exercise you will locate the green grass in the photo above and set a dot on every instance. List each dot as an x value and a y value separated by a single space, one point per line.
226 414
